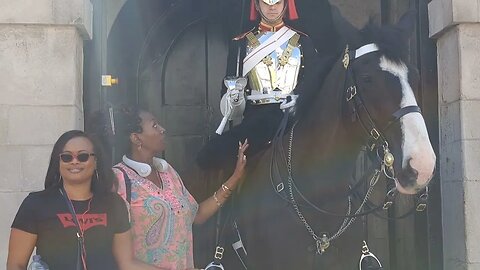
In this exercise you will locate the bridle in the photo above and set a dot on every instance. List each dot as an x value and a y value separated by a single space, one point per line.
376 138
376 142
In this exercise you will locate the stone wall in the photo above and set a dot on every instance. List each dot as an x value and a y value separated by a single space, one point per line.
455 24
41 70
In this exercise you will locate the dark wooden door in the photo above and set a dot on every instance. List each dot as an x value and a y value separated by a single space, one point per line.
180 79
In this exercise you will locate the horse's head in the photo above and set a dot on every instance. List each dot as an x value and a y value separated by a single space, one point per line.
385 106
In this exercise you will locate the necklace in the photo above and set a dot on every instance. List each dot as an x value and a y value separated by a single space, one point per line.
82 222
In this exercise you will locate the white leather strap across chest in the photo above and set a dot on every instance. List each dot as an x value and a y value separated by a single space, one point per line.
265 48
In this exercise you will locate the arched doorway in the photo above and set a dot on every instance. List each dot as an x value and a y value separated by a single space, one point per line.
170 55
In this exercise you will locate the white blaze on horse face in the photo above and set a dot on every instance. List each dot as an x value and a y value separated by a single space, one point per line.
416 145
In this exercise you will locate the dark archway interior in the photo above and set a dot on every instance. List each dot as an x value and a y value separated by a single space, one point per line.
170 57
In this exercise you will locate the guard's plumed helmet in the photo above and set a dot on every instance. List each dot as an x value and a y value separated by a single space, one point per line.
289 7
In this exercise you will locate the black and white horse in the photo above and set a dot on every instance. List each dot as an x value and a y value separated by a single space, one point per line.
298 200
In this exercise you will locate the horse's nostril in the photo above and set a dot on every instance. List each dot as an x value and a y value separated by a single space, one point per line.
409 175
410 172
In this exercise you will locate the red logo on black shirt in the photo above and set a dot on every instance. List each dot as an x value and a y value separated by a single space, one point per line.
88 221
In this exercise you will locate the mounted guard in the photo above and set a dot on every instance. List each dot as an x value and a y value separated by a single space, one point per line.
268 66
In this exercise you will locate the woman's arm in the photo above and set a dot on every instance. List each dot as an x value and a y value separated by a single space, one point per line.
20 248
211 205
123 253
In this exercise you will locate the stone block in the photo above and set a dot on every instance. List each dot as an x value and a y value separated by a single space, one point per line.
470 61
472 160
470 111
466 11
42 65
35 159
459 161
453 224
78 13
448 66
3 124
443 14
450 122
10 201
11 168
33 125
472 219
440 16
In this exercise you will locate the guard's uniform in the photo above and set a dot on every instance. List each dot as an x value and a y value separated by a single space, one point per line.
287 68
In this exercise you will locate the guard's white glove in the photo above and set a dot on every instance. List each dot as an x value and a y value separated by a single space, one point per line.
232 103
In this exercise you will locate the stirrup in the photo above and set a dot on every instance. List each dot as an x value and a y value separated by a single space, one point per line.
368 258
214 266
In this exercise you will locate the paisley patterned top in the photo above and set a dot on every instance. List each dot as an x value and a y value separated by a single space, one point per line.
161 218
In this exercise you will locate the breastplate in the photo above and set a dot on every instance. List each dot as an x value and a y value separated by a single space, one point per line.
271 73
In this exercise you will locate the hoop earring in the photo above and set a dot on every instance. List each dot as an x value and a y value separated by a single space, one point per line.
139 147
60 179
96 173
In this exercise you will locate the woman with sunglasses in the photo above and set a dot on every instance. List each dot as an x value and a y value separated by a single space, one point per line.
162 210
76 222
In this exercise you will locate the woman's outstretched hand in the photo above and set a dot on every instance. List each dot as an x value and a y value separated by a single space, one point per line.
211 205
241 160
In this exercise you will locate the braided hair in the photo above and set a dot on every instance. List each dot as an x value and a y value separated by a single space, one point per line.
113 126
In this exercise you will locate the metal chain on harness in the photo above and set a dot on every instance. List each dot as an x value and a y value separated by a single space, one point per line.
323 242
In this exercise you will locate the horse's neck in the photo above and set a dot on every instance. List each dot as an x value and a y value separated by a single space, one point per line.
322 135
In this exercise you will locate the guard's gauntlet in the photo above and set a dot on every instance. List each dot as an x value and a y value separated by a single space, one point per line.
232 103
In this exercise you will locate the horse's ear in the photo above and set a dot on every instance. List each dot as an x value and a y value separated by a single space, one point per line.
349 34
407 22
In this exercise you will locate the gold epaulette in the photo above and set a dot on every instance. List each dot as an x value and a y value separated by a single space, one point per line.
298 31
252 40
243 35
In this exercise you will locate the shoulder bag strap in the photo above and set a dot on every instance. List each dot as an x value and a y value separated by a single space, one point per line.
128 183
81 258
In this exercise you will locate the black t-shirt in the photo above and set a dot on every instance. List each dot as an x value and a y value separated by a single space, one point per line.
46 214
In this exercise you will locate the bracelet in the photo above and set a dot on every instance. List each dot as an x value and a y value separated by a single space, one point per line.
216 199
226 188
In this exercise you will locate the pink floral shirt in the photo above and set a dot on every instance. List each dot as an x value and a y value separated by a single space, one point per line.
161 218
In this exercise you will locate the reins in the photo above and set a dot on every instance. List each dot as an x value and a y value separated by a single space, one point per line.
382 165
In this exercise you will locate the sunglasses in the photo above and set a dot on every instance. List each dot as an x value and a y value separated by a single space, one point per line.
82 157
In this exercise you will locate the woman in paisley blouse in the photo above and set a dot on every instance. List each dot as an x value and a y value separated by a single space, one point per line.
162 211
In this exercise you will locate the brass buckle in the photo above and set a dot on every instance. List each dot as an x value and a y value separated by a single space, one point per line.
346 58
375 134
351 92
421 207
219 253
387 205
365 249
280 187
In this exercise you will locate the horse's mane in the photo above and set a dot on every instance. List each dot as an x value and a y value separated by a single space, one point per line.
308 93
391 40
